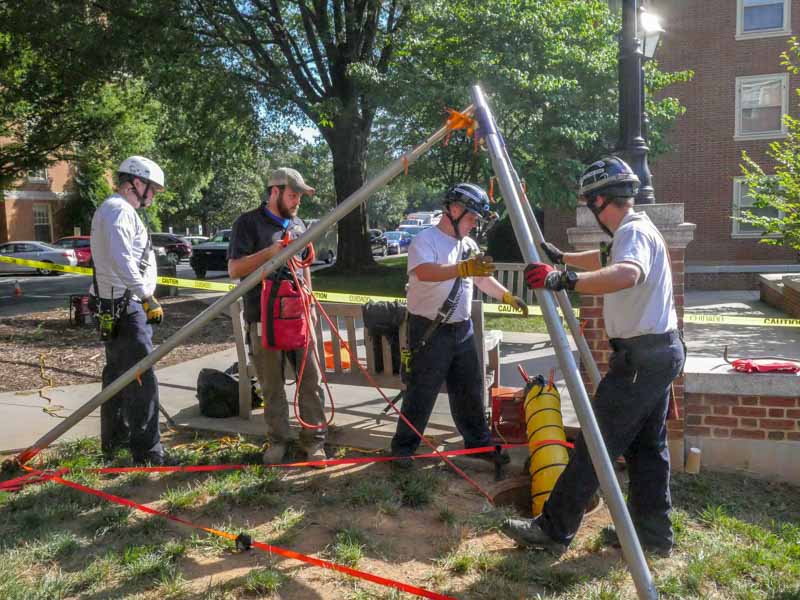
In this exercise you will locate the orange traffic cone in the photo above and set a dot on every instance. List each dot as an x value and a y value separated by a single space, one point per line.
17 289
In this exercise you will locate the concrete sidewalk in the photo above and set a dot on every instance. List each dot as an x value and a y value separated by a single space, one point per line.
357 408
358 420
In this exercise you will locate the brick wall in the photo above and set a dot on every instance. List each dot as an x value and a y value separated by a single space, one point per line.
745 417
591 316
722 281
771 296
791 300
699 169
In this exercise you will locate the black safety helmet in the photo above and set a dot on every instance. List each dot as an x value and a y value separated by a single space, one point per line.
611 177
473 198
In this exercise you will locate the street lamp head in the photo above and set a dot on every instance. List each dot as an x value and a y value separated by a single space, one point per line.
651 32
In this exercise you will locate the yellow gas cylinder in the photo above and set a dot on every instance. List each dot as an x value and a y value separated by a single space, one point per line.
543 422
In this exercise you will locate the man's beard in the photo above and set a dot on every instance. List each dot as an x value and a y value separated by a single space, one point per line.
284 211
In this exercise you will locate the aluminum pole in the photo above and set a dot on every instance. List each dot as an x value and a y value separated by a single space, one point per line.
350 203
591 432
562 297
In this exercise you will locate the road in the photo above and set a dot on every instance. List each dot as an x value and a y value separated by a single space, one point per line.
40 293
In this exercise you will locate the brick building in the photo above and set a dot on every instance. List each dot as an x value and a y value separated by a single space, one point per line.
30 209
734 102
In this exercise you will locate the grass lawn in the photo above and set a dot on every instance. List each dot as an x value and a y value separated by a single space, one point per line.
736 538
388 278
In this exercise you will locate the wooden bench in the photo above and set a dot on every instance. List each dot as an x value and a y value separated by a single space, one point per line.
348 318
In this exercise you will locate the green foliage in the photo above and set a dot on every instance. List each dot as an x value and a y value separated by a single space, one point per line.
264 581
550 70
348 549
776 196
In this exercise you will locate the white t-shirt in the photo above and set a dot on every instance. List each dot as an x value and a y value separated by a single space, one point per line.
647 307
425 298
119 238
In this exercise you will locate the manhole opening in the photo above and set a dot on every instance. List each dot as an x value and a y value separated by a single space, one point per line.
516 493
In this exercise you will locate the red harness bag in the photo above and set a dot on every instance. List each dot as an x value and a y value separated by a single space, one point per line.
746 365
283 315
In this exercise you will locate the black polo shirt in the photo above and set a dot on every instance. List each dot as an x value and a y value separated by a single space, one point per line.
254 231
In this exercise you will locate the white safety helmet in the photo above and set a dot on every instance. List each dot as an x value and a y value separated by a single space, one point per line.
145 169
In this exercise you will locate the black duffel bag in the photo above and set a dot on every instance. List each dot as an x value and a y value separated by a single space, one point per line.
218 394
383 319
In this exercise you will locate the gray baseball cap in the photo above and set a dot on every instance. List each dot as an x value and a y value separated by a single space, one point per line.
292 178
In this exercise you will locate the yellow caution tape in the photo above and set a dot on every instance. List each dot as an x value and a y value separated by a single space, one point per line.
46 265
349 298
733 320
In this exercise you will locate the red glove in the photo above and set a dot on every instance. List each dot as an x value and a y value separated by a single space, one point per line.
536 274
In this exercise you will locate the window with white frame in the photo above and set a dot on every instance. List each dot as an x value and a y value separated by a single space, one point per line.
37 175
762 18
761 102
42 224
743 201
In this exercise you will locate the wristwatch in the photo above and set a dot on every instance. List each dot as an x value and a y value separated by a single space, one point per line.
569 279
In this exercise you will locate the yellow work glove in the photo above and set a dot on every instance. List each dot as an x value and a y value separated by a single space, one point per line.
516 302
153 310
476 266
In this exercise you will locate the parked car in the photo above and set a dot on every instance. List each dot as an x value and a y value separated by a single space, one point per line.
397 241
412 230
377 242
411 223
195 239
327 244
430 217
211 255
176 247
36 251
82 246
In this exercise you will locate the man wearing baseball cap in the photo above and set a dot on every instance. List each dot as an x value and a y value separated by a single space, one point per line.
256 238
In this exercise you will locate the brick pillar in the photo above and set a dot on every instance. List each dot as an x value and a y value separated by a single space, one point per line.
587 236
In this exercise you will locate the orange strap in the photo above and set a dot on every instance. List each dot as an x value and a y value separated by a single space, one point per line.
459 120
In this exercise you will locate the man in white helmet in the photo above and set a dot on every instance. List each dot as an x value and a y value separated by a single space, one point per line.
123 283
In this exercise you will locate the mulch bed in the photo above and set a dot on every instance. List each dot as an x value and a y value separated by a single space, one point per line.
40 349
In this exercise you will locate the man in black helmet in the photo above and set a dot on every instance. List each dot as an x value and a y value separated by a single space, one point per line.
443 262
632 399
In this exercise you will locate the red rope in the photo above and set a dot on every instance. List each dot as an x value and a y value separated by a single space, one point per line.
467 478
422 592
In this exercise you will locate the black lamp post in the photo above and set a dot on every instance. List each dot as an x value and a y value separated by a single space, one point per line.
638 42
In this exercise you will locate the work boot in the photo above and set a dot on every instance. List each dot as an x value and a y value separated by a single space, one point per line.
274 454
492 457
157 459
526 532
610 538
315 453
402 462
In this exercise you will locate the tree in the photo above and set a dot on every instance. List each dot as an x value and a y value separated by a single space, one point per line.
776 197
322 62
549 68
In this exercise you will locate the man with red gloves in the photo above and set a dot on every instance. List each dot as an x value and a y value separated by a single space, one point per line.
632 399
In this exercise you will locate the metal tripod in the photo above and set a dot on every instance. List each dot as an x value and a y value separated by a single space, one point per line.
524 224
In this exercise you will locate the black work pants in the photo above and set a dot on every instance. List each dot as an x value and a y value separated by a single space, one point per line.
449 356
631 409
132 414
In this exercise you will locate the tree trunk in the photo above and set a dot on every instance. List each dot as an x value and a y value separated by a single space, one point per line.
348 144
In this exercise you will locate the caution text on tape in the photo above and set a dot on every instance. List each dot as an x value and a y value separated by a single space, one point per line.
352 298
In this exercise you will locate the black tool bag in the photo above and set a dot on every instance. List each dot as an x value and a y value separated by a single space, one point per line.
218 394
383 319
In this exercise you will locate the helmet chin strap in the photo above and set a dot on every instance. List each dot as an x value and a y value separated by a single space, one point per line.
141 197
456 222
597 210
